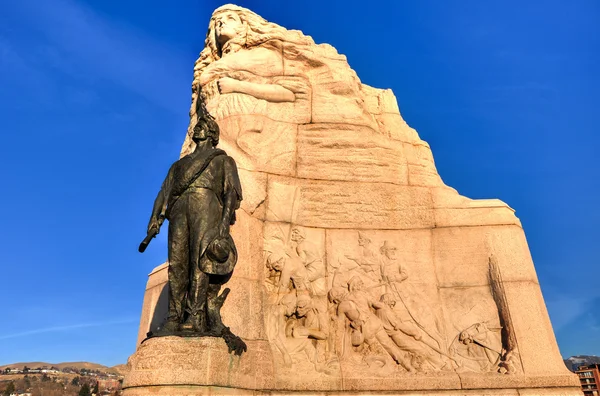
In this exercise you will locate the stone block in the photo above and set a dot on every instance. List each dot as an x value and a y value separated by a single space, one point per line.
461 256
502 381
537 344
475 217
551 392
393 126
379 101
509 245
198 362
258 143
337 204
243 309
350 153
427 383
155 302
247 233
254 189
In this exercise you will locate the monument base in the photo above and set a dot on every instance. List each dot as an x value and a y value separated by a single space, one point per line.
169 366
213 390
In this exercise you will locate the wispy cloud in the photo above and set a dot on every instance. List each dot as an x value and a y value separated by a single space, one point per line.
566 309
67 328
78 41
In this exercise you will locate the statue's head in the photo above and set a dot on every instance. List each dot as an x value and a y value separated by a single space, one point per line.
362 239
298 235
303 305
336 294
227 25
355 284
388 250
206 128
232 28
388 299
276 260
288 301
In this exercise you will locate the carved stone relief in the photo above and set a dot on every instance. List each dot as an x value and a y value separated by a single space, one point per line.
382 314
297 322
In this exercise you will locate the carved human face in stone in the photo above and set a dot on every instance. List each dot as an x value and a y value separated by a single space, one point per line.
227 26
289 304
297 235
278 265
362 241
355 284
303 306
390 253
336 294
465 338
388 300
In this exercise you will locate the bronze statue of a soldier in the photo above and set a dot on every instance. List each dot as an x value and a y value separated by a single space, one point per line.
199 197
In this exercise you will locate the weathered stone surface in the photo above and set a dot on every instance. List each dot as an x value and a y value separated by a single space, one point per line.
155 303
533 330
169 361
338 204
248 234
243 308
254 186
260 144
461 254
350 153
360 272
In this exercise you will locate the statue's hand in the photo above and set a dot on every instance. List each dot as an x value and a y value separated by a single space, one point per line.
227 85
293 83
153 225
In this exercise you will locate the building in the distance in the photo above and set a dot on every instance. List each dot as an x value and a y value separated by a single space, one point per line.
109 384
589 376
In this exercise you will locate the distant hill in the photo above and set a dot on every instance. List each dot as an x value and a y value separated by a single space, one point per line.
119 370
574 362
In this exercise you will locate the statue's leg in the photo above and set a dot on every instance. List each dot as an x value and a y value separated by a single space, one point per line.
178 272
199 224
196 302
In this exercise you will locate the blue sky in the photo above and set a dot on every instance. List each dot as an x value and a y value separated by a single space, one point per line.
94 98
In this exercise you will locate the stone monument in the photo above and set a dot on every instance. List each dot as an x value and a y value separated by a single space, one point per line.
358 270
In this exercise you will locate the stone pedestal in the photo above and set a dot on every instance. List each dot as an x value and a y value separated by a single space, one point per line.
163 365
174 366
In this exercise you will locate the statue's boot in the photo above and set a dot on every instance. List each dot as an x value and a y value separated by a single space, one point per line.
169 327
195 322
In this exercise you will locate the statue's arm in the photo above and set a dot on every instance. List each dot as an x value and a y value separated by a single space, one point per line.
160 202
269 92
232 195
156 210
284 277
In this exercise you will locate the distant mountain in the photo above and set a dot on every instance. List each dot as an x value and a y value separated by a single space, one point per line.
119 370
574 362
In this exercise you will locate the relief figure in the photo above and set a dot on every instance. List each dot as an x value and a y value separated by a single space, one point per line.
363 325
407 336
409 299
308 331
479 348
